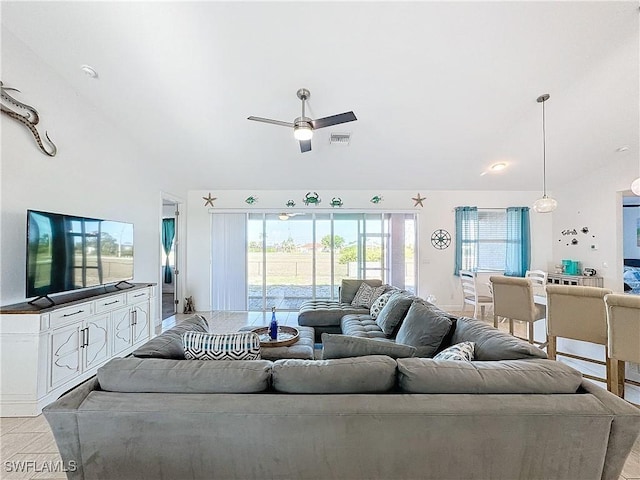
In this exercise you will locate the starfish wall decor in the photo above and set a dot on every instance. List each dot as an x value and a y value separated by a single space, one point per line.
209 200
418 200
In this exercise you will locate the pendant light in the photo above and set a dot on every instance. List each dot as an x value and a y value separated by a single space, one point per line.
635 186
544 204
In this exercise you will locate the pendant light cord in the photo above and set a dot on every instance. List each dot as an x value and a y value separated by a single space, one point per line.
544 154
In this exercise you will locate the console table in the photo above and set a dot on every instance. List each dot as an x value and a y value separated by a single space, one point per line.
46 351
563 279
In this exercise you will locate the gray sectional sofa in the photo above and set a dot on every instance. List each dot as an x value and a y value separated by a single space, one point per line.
325 315
509 414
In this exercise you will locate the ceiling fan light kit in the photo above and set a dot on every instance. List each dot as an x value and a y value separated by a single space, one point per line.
302 131
544 204
304 126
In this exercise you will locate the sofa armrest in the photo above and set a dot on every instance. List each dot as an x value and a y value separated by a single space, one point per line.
62 418
625 429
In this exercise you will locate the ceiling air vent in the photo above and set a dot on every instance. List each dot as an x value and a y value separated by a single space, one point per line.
340 138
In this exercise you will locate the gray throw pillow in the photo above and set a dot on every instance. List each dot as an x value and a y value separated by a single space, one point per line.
393 313
344 346
425 327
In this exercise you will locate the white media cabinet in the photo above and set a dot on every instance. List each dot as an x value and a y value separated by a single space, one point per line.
46 351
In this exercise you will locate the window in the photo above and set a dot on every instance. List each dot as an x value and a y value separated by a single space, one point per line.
305 255
493 240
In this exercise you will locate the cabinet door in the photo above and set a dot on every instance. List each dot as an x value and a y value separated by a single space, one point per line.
141 322
65 354
121 321
96 350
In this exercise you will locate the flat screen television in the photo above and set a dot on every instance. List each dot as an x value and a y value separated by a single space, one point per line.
66 252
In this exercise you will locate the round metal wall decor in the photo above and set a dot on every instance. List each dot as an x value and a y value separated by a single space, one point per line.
440 239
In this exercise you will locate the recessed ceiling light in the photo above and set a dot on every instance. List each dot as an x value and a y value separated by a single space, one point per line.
622 148
89 71
496 167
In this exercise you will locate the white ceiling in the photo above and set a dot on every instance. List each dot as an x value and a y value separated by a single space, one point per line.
441 89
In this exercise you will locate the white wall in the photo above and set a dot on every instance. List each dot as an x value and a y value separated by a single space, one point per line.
98 171
594 200
435 266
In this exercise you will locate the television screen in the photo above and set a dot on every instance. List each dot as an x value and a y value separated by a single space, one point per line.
66 252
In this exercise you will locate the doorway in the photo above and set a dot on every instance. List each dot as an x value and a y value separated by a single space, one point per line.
631 243
170 256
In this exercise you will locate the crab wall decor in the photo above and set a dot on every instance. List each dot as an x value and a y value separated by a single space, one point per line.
251 199
291 204
311 199
336 202
30 118
376 199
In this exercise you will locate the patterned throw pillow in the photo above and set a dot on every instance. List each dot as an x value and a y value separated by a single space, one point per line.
221 346
366 295
460 351
378 303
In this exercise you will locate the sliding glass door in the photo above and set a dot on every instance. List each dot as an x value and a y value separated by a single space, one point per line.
302 256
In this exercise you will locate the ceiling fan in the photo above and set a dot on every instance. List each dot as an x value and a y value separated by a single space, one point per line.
303 126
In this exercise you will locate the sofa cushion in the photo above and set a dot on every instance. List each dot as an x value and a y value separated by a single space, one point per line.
424 327
221 346
344 346
366 295
427 375
460 352
492 344
322 313
379 303
361 325
372 374
349 288
155 375
169 344
393 313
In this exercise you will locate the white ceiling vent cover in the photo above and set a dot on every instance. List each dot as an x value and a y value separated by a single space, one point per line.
340 139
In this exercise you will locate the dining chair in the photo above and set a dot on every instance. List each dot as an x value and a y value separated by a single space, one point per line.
578 313
470 295
513 300
538 280
623 331
538 277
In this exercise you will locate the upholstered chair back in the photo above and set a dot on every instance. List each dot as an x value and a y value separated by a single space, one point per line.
577 312
623 325
513 298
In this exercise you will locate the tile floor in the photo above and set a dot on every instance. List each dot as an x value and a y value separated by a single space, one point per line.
29 440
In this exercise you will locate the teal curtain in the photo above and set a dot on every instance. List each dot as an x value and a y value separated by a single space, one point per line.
168 232
466 239
518 242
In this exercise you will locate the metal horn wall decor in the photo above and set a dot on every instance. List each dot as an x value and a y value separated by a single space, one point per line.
30 118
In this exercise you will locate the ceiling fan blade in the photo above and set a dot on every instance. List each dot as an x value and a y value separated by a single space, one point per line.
333 120
274 122
305 146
